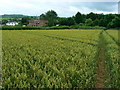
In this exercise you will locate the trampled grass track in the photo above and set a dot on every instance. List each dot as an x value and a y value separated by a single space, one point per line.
78 67
113 38
108 68
101 71
108 65
112 59
71 40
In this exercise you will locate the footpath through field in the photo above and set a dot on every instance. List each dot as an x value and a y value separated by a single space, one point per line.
100 73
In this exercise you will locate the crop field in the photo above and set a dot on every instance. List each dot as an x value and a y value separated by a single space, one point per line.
60 59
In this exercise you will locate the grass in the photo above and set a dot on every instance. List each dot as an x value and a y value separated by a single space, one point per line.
54 58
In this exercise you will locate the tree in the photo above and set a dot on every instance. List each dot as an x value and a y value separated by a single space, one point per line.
63 21
96 22
67 21
42 17
115 23
25 21
4 21
88 22
51 16
107 19
102 22
70 21
92 16
79 18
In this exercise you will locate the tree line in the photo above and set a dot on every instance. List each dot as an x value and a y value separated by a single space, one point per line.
91 19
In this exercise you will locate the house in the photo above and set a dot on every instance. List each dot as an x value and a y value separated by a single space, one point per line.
12 23
37 23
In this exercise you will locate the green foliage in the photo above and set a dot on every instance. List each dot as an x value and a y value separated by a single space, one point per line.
70 21
89 22
96 22
66 21
25 21
47 28
48 59
79 18
86 27
12 16
107 19
92 16
91 27
112 59
4 21
22 28
51 16
15 16
57 59
60 27
115 23
42 17
91 19
63 21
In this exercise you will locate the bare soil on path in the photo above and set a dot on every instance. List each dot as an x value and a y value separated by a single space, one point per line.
100 74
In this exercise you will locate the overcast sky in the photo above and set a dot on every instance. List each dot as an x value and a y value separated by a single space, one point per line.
64 8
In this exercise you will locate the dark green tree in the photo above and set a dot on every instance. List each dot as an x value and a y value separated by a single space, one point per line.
51 16
25 20
42 17
92 16
79 18
70 21
63 21
67 21
96 22
4 21
107 19
89 22
115 23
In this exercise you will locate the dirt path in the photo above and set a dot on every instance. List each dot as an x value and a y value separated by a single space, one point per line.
100 74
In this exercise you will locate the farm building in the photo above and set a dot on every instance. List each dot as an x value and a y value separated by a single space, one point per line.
12 23
37 22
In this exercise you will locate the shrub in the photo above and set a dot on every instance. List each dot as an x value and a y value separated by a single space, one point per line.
60 27
53 27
